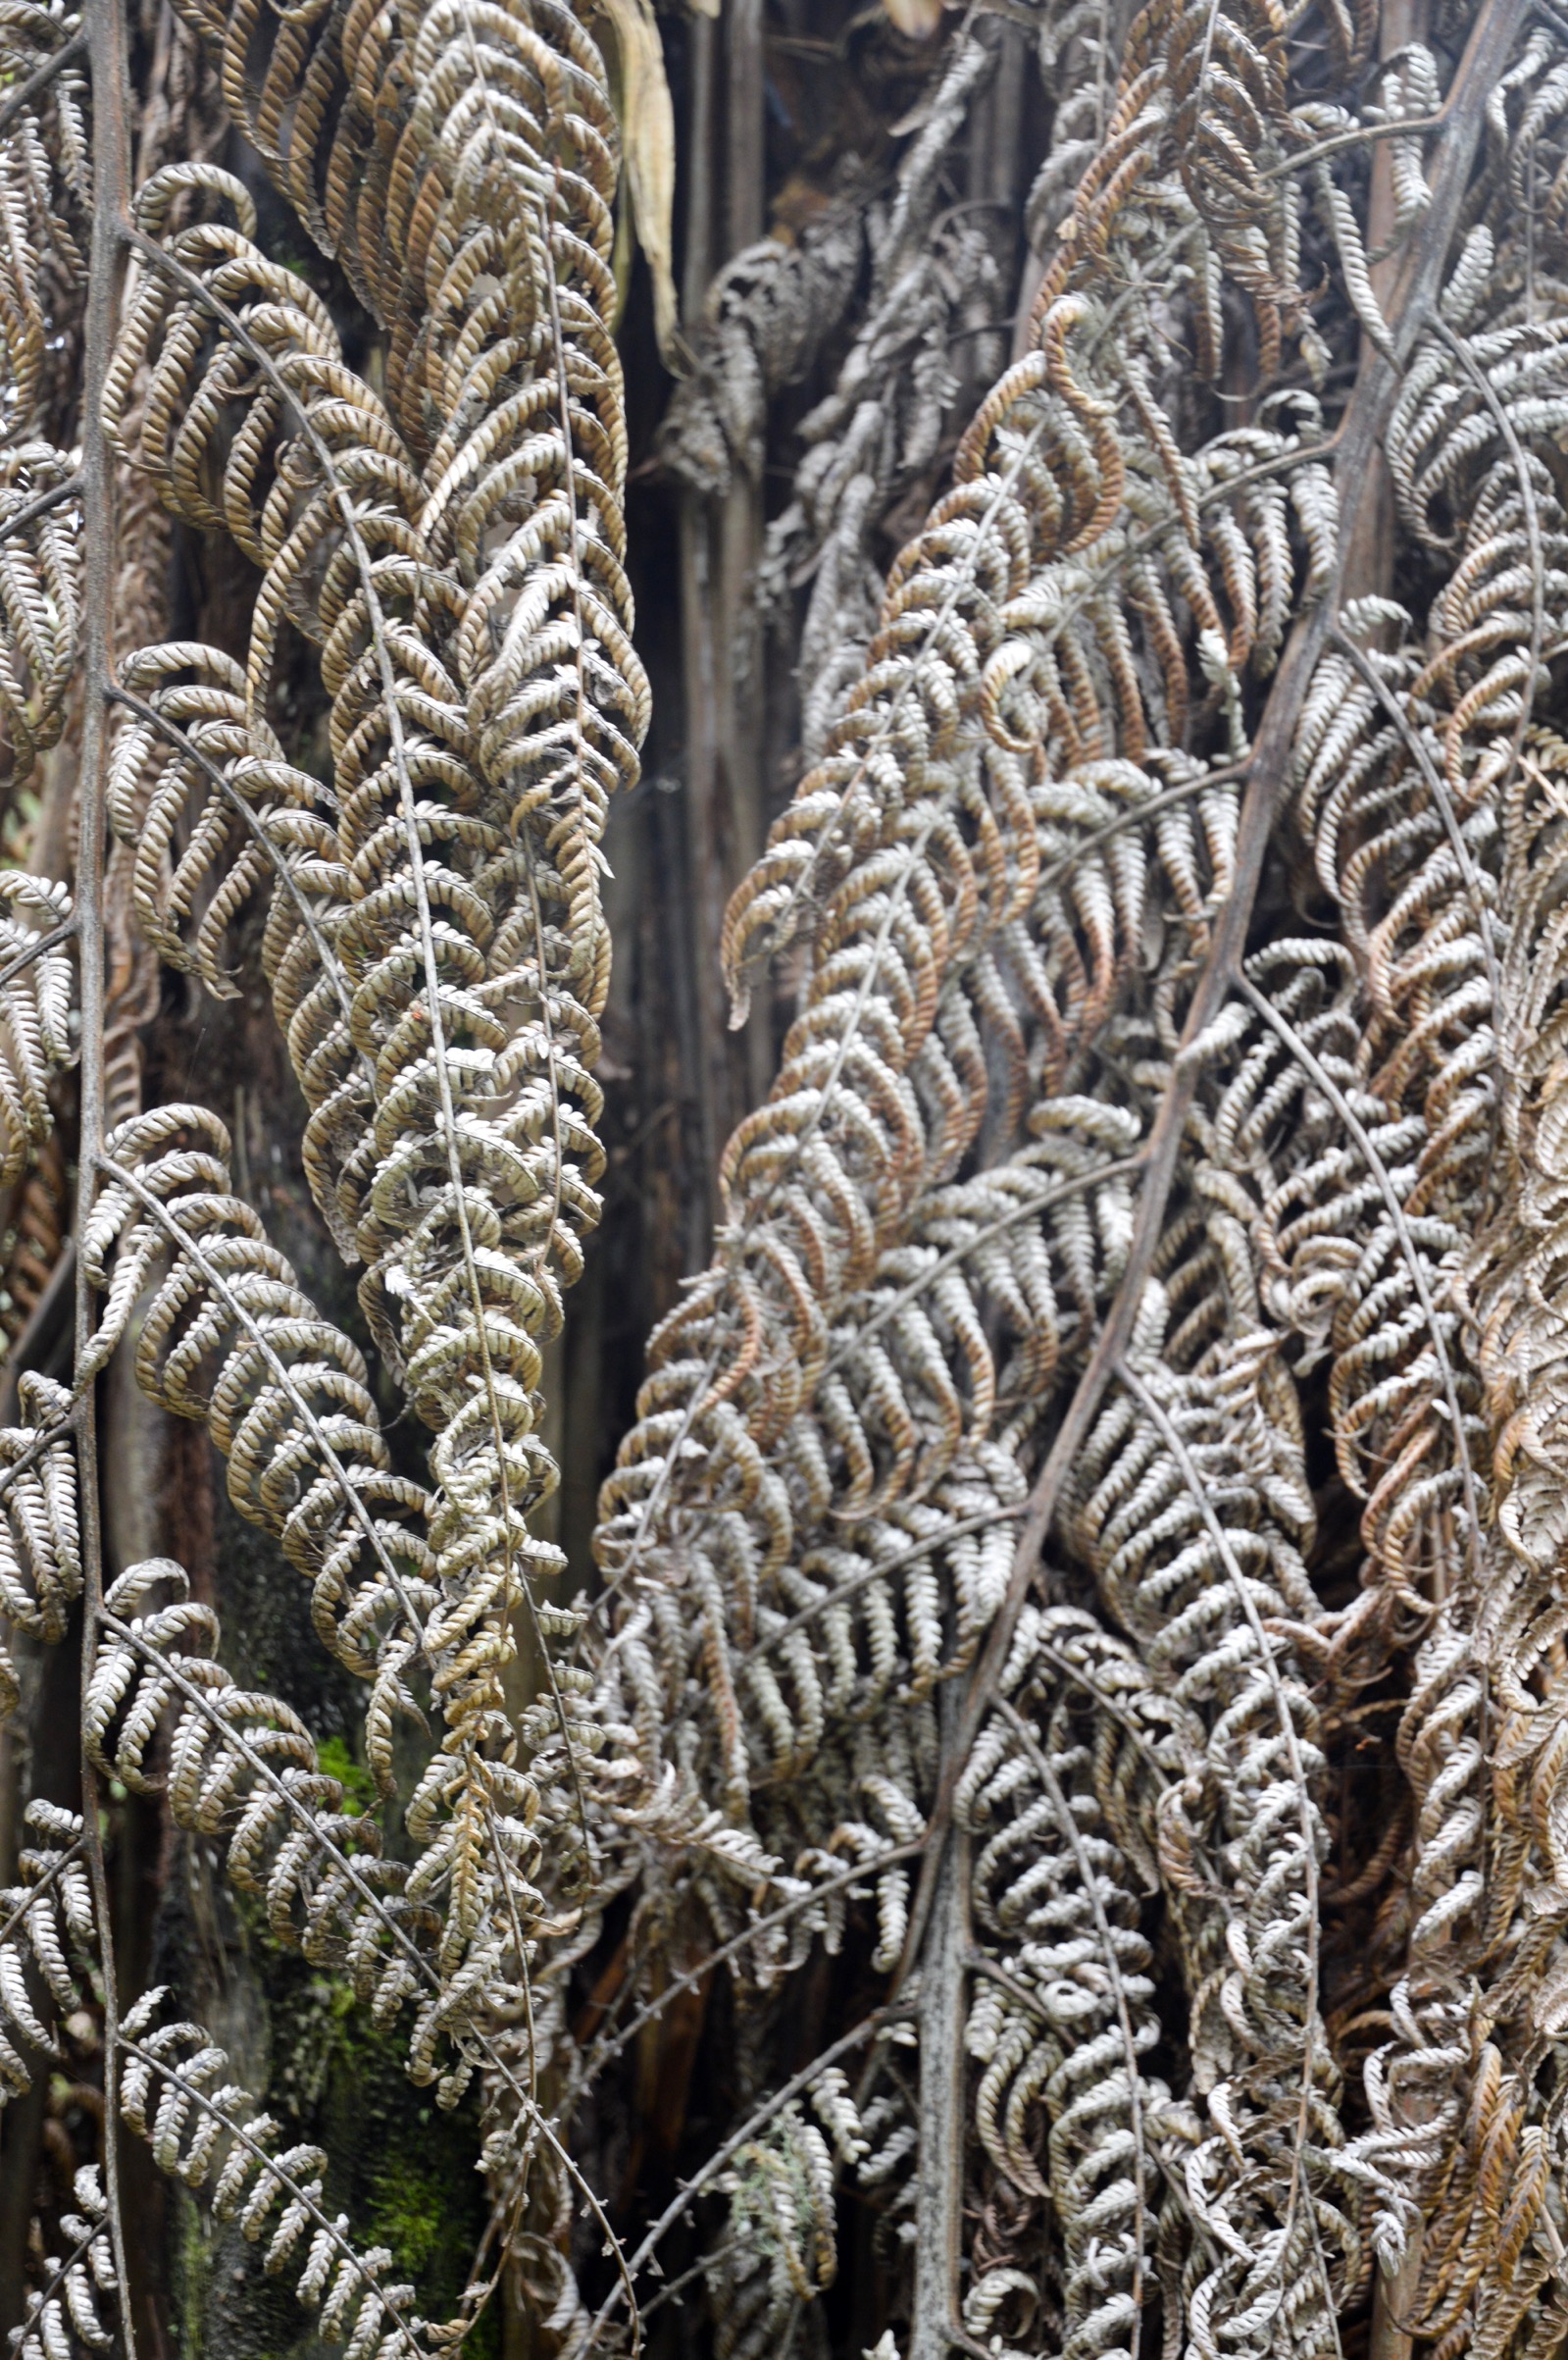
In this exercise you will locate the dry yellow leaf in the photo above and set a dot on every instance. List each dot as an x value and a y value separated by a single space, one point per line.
648 141
917 19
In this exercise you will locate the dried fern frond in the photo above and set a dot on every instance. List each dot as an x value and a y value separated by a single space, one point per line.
40 565
872 439
482 235
224 1335
1426 747
177 2093
777 2246
1079 2141
208 822
37 994
242 1769
1196 1585
456 1001
45 189
40 1547
75 2309
765 317
46 1925
183 773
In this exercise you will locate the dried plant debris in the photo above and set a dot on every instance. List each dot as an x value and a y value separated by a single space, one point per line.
1129 1379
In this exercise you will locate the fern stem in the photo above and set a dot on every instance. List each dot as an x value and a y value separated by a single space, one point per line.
106 32
939 2201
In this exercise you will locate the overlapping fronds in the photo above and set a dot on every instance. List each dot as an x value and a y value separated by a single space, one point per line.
1065 1752
452 1138
966 914
435 940
1094 621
